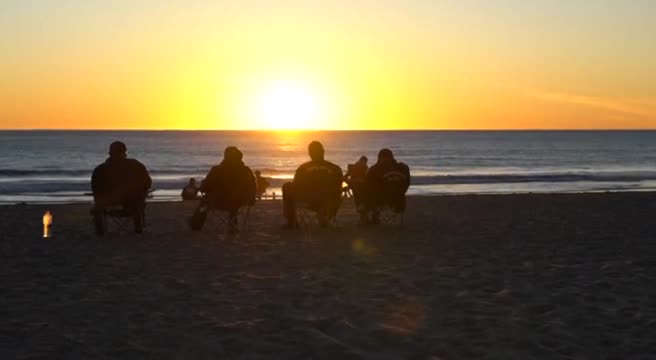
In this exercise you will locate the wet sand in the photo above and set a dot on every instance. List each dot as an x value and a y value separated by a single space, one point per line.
568 276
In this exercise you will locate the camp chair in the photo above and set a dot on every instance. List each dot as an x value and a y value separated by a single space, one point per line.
218 221
308 215
390 216
392 191
347 191
116 219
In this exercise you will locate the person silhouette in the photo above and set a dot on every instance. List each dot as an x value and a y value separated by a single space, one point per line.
355 177
317 186
387 183
120 181
262 184
227 186
190 191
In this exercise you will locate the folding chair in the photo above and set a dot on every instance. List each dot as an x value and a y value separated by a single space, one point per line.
389 216
389 203
347 191
218 221
115 219
307 216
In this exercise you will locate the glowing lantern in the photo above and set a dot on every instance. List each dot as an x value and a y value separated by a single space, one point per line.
47 223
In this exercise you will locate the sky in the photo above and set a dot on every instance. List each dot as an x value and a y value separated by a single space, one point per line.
356 64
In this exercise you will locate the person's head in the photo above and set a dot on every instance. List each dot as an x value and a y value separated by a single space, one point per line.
385 155
363 160
192 181
231 153
118 150
315 149
258 173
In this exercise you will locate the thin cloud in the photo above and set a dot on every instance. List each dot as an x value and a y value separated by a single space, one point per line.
644 107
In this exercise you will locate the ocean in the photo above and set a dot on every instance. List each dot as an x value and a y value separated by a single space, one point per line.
56 166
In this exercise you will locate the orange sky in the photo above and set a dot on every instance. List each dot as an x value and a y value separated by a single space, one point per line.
343 65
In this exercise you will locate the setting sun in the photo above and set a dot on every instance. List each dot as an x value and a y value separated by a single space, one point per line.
288 105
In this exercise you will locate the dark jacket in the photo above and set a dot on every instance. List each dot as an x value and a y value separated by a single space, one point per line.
229 185
318 180
389 175
119 180
356 172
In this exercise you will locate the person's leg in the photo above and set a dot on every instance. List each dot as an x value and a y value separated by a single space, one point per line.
99 220
288 204
197 219
398 203
357 188
98 214
134 207
361 197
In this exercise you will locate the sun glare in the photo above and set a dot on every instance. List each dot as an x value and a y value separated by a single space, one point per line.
289 105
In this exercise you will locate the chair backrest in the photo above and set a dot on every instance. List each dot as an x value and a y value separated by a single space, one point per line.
394 183
317 183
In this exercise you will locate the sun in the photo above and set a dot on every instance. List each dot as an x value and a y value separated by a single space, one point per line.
289 105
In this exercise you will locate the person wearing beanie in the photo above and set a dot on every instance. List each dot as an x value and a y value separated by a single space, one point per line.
227 187
119 181
386 185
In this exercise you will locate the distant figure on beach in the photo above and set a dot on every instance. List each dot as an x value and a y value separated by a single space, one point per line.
262 184
317 186
120 181
190 191
227 187
386 185
355 178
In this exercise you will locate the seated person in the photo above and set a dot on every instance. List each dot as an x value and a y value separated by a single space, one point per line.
262 184
228 186
120 181
386 185
317 186
355 178
190 191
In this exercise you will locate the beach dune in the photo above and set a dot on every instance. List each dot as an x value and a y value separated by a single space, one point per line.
498 276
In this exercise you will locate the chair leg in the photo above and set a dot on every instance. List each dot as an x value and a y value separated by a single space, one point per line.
100 222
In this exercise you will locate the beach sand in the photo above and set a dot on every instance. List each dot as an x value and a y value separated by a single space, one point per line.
496 277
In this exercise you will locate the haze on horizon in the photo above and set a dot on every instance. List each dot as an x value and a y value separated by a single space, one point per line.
416 64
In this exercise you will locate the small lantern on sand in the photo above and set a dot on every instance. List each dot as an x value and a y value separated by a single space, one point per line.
47 224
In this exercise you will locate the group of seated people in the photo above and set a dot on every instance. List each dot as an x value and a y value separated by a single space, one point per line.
317 186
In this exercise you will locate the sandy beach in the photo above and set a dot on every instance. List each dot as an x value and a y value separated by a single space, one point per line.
566 276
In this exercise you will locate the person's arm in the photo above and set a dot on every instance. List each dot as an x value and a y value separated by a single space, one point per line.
252 185
406 172
372 175
95 181
206 184
339 178
148 181
299 174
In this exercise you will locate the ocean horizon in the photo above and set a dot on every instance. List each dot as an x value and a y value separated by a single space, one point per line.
54 166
